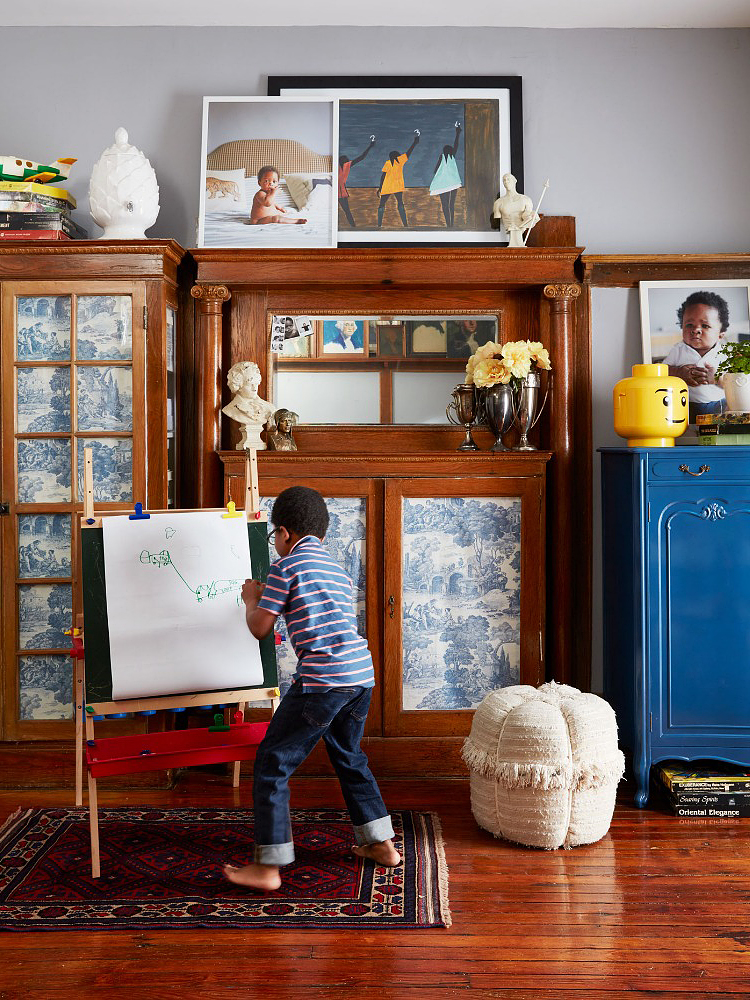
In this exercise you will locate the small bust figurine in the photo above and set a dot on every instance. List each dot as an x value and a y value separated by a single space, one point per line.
246 406
279 431
515 211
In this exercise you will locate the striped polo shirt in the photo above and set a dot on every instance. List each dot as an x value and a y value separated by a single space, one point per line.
316 597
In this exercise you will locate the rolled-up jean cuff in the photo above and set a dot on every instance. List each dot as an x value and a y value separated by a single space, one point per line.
374 832
274 854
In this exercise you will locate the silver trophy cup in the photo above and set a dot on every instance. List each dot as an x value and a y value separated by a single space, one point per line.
463 410
528 408
497 406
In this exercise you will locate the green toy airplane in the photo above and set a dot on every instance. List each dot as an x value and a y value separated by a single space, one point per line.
13 169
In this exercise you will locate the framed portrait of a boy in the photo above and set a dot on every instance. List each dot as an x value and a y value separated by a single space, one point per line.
686 324
420 159
267 172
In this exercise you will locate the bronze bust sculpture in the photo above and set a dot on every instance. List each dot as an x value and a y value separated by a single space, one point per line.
279 431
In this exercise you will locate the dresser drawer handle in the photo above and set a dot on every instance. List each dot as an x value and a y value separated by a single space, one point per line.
703 468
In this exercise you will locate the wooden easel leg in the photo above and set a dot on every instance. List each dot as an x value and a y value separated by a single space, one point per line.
238 763
79 708
93 809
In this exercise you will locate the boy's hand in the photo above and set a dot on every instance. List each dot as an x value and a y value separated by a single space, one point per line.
252 591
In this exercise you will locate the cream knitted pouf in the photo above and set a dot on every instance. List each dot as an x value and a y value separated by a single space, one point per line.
544 765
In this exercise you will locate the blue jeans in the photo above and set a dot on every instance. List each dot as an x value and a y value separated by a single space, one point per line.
338 717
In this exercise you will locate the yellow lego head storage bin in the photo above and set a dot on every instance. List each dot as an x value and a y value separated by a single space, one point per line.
650 407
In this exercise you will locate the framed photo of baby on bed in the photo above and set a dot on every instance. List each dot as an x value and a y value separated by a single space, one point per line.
267 172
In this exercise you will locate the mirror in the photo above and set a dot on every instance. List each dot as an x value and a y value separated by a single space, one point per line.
364 369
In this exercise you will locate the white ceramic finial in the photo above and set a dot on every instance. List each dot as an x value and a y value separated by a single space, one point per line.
123 193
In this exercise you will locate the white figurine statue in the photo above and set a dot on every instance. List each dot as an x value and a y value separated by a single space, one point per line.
246 406
515 211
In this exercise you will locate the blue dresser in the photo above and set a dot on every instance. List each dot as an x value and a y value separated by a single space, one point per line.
676 554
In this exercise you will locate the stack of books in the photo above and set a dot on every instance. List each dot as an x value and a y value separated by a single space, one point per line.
30 211
732 427
718 790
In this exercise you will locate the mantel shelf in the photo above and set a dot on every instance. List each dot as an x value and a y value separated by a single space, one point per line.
484 266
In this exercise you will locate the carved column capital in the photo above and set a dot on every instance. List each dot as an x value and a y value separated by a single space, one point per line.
562 293
210 293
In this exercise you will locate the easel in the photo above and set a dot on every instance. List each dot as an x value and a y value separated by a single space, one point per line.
230 743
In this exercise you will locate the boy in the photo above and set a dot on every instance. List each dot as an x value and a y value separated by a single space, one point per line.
264 208
703 318
329 696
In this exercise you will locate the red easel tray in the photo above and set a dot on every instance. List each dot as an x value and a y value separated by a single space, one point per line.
183 748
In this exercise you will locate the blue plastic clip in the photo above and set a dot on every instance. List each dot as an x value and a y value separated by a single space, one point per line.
147 711
90 520
139 515
118 715
176 710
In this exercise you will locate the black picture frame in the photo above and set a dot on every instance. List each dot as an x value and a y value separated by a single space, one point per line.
479 175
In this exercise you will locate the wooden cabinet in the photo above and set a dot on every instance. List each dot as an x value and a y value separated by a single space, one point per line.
676 550
447 551
534 294
88 333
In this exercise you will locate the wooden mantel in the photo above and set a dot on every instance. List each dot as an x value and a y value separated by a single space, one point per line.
537 293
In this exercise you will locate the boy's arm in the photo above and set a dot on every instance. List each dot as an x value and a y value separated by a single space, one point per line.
259 622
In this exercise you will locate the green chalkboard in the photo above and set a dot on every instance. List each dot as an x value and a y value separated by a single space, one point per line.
96 626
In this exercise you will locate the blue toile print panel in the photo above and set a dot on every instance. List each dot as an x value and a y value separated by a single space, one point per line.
105 328
345 541
461 600
105 398
113 468
43 328
44 545
45 611
43 400
44 471
46 687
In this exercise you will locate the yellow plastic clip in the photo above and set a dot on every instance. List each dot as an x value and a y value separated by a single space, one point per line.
232 510
276 693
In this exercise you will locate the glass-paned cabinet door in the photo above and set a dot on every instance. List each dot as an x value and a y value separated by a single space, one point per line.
459 598
353 541
73 377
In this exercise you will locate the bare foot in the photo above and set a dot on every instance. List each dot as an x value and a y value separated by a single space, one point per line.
382 853
264 878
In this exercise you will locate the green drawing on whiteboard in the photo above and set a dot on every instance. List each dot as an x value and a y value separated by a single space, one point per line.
204 591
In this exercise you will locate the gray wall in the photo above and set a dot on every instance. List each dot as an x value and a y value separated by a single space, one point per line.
644 134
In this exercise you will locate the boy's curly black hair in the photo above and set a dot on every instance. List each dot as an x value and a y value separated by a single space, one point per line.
710 299
301 511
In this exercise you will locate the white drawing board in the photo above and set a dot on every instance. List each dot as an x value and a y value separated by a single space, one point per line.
176 618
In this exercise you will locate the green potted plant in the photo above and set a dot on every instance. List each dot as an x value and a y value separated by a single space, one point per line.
733 375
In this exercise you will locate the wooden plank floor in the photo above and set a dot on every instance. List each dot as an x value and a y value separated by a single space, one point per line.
659 908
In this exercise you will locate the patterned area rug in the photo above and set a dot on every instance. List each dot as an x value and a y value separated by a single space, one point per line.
162 868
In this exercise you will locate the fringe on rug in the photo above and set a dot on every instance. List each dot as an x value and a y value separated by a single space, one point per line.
442 872
12 822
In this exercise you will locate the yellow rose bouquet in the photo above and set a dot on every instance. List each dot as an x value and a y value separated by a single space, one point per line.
501 364
515 365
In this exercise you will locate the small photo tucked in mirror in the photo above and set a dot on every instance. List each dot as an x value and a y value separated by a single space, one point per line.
466 335
390 340
344 336
427 337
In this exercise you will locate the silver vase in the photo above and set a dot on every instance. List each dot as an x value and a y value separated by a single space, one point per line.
528 409
463 410
497 406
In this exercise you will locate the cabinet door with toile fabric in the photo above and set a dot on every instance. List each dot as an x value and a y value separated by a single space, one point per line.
86 363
